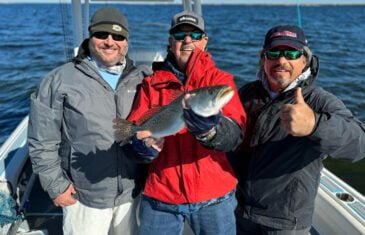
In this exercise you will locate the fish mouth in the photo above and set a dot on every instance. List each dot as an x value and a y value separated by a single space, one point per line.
226 92
224 96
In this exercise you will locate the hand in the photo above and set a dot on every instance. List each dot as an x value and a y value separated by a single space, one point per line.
66 199
196 124
297 119
146 146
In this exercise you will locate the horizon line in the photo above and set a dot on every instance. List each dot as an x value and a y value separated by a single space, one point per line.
173 3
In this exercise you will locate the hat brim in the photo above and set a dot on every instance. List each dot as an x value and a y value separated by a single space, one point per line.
186 23
110 28
285 42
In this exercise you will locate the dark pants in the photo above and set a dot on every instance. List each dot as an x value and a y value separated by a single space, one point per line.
247 227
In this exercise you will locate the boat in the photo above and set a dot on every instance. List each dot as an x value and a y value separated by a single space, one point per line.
26 209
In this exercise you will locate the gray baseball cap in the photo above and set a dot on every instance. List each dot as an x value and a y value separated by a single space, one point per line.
109 20
187 17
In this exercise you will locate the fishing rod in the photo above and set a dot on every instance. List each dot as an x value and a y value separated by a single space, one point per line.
299 14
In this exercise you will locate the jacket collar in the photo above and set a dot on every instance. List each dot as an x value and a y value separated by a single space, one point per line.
170 64
304 79
199 62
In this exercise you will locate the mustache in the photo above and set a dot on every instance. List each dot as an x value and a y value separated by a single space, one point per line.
280 67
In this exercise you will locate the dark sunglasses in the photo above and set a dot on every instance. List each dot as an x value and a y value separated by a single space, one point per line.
289 54
105 35
180 36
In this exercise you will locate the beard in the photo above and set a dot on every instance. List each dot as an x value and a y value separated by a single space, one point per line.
104 59
185 53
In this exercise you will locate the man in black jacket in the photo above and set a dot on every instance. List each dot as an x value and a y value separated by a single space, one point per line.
292 126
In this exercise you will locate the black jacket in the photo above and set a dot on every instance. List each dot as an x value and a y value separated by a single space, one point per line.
278 173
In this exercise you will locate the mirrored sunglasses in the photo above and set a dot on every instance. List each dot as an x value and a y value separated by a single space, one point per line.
289 54
105 35
180 36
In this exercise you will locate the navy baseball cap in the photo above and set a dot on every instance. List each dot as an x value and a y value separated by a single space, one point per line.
285 35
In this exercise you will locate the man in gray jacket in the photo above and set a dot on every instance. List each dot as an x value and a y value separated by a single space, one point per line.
292 125
71 136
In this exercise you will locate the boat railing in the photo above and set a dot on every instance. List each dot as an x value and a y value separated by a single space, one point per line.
339 208
12 158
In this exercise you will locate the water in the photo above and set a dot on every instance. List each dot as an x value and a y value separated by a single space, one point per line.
32 43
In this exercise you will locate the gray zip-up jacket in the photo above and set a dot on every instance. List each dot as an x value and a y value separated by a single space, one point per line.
71 135
278 173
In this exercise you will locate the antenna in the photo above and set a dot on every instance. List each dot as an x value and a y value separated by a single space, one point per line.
187 5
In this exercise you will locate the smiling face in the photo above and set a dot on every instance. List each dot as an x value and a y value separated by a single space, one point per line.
182 50
108 51
281 71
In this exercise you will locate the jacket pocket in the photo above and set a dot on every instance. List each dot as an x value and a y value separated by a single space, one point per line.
294 196
276 201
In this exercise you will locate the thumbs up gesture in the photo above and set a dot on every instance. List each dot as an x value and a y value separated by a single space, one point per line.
297 119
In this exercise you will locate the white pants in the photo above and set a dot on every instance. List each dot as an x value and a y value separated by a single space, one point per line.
79 219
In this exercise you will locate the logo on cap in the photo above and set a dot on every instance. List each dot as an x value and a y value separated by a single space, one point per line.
117 28
284 33
187 18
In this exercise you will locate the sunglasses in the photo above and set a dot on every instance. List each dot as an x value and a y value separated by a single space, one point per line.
180 36
105 35
289 54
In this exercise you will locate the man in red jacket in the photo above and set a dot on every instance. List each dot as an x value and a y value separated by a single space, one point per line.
191 178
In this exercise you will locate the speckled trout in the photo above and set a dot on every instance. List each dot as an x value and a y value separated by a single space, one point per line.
168 120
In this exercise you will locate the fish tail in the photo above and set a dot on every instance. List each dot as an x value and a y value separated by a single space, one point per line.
123 130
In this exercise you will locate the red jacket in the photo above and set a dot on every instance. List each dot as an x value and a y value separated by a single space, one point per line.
185 171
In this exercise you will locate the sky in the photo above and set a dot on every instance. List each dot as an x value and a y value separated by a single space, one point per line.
228 1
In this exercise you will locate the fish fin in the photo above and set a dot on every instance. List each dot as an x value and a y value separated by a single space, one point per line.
157 108
123 130
149 113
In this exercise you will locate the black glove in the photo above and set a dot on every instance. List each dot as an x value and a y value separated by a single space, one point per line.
147 153
198 125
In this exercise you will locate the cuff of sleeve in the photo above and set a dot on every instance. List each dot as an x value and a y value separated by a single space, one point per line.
207 136
54 192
